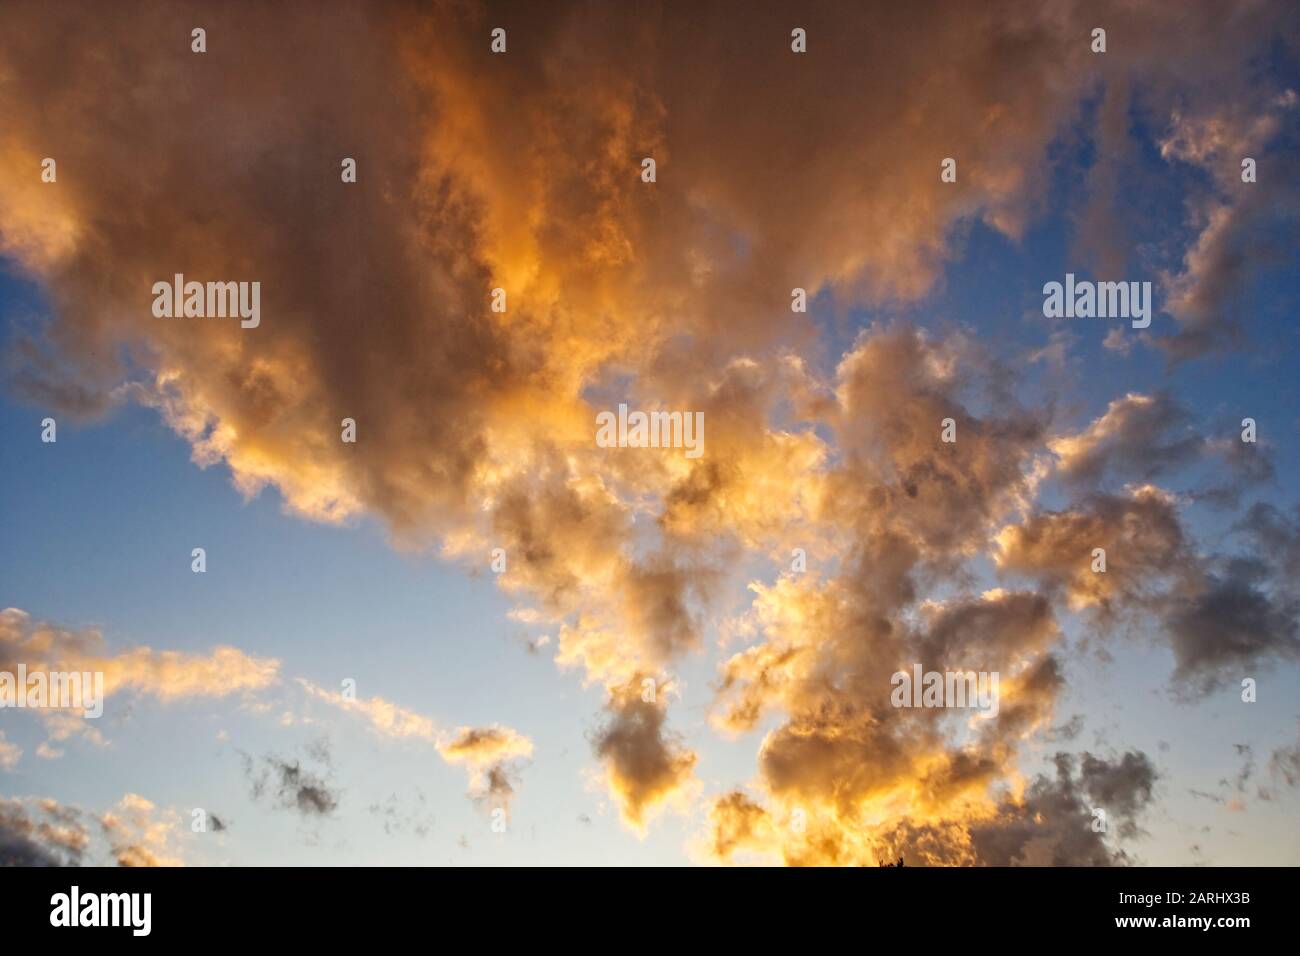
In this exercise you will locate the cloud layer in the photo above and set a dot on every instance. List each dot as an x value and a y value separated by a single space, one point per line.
475 428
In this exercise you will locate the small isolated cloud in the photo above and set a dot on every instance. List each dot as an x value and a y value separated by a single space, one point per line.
384 717
9 753
290 786
491 755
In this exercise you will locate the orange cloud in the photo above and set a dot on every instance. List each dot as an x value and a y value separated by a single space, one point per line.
168 676
488 753
475 428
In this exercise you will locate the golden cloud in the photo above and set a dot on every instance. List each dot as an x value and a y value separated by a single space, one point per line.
475 428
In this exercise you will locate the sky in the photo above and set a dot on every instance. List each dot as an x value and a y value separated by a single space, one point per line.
477 634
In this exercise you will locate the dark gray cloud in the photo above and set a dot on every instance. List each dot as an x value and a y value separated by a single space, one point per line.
1276 534
41 833
1054 824
1139 437
1284 765
290 786
1231 626
1122 787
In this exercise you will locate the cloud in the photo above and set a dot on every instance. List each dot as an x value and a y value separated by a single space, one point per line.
1223 615
43 832
482 745
166 675
1139 438
1123 788
1050 824
1237 226
475 428
1276 534
491 755
384 717
906 509
1053 824
139 834
1140 532
646 767
738 823
9 753
1231 626
290 786
40 833
1284 764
